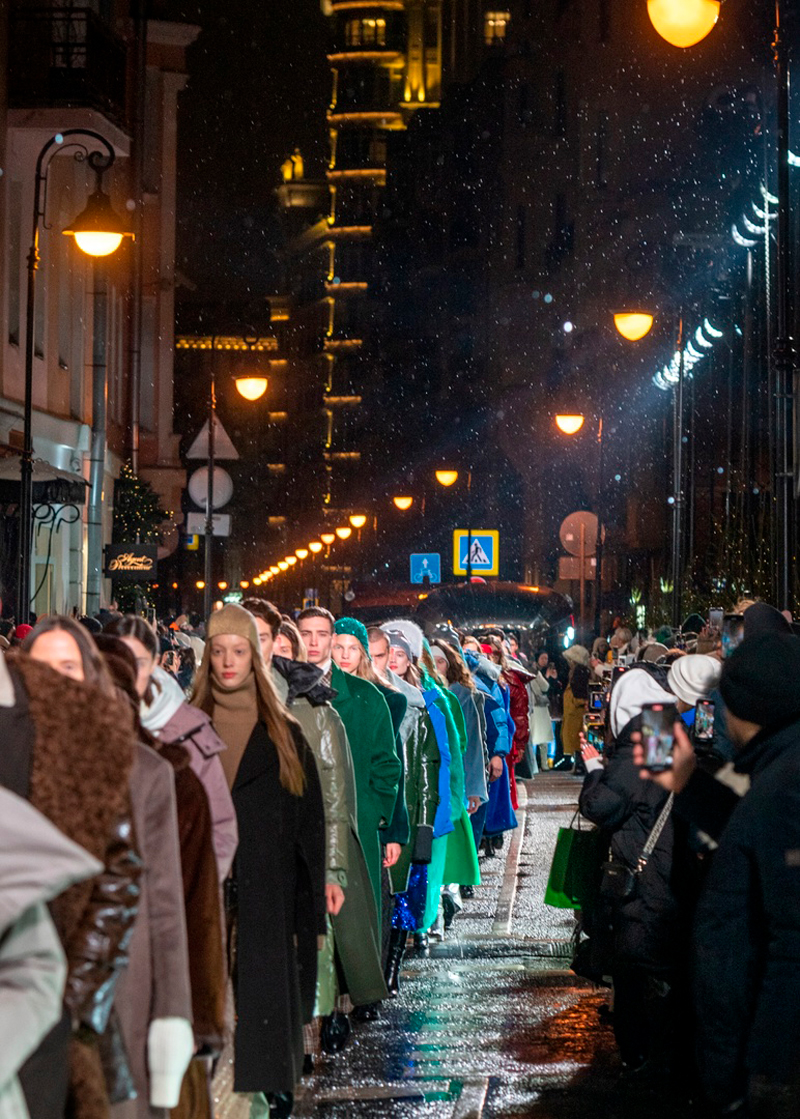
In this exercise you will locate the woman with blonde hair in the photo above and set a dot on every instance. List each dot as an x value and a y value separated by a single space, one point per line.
276 899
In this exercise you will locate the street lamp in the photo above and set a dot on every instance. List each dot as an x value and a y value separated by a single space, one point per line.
302 553
251 387
344 532
291 560
683 23
633 325
98 231
274 570
569 423
283 565
327 537
315 546
685 28
446 477
402 503
573 428
357 520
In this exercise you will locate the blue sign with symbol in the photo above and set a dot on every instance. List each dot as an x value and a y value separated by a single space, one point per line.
484 551
426 563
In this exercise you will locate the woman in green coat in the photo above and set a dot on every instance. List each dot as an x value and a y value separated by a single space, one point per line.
368 723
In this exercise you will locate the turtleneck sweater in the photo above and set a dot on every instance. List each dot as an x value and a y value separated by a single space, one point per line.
234 717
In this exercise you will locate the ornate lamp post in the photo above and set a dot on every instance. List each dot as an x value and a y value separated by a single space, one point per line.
98 232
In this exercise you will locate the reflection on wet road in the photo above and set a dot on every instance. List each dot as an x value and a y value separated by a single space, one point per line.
492 1025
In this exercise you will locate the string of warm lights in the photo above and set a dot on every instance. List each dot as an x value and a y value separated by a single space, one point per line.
313 548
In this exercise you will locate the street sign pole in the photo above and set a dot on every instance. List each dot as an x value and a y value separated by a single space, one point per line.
212 408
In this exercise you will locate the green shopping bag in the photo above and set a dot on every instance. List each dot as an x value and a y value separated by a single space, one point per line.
575 869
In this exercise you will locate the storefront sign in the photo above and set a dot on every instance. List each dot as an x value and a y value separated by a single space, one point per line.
131 563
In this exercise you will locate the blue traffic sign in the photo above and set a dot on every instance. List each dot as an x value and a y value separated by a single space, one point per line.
426 563
484 551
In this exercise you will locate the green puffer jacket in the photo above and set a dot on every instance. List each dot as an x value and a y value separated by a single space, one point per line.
421 766
355 928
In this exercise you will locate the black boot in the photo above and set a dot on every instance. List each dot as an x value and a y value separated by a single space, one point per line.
394 960
334 1032
421 943
280 1105
366 1012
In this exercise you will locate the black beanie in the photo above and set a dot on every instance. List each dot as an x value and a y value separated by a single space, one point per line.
761 680
761 619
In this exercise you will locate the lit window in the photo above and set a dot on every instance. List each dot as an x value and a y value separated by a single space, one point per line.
494 27
365 33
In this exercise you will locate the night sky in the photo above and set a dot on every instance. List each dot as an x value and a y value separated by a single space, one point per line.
258 86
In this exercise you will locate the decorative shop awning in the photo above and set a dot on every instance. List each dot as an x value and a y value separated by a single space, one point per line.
51 486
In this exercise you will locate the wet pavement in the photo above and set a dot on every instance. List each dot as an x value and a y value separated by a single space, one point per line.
492 1024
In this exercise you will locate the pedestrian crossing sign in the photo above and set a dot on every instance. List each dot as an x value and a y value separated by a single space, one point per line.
484 551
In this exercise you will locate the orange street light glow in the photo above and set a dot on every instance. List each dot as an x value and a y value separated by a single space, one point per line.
633 325
327 537
344 532
357 520
315 546
446 477
683 23
403 502
570 425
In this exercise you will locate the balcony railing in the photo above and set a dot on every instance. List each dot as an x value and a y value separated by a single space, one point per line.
66 58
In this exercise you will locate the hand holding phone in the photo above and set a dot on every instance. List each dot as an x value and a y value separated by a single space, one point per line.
658 735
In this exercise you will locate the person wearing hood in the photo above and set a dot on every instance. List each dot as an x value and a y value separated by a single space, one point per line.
378 771
747 925
277 903
460 863
350 961
693 678
648 932
517 679
37 863
497 815
421 762
350 652
169 717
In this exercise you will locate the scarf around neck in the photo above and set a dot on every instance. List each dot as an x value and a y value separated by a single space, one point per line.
234 717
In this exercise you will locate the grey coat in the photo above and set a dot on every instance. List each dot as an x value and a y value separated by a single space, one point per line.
37 862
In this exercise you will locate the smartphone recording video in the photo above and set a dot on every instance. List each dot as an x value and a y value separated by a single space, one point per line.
658 735
732 633
716 617
594 729
704 721
596 697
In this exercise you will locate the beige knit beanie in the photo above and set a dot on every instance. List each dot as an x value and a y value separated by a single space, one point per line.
235 620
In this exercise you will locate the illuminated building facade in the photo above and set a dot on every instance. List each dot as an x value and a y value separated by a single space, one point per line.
389 60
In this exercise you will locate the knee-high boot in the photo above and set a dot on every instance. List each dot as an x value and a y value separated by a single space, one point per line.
394 960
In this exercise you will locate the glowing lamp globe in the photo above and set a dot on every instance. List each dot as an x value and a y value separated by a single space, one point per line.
403 503
683 23
302 553
327 537
633 325
315 546
570 425
257 581
251 388
283 565
200 584
99 230
344 532
274 570
446 477
223 586
244 584
291 560
358 520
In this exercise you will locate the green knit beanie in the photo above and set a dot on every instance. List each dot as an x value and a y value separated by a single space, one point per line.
354 628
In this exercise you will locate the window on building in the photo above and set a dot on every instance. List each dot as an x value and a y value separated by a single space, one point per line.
494 27
365 33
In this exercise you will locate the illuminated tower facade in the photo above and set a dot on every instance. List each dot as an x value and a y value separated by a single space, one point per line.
386 64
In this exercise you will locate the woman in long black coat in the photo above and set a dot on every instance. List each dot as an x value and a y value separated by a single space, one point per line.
279 872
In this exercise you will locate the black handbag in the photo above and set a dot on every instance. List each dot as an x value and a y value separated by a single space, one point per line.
617 880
